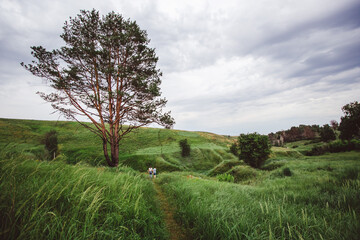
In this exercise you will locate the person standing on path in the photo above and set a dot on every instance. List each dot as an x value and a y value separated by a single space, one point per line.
154 172
150 171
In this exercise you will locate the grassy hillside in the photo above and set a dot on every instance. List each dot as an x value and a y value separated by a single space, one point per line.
140 149
54 200
319 200
74 197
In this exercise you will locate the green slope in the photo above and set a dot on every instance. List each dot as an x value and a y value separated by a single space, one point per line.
139 149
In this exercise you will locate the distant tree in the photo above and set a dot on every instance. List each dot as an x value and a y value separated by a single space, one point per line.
107 73
234 149
51 144
334 124
308 133
254 149
185 148
293 134
327 133
350 123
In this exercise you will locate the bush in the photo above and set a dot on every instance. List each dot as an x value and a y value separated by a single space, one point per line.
51 144
234 149
254 149
335 147
225 177
185 148
317 150
339 146
287 172
327 133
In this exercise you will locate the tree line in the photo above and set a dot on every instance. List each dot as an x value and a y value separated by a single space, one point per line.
254 148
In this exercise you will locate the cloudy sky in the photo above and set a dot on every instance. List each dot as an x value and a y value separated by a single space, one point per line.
229 67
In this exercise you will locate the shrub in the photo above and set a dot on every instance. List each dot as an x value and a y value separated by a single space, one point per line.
254 149
51 144
225 177
185 148
234 149
327 133
287 172
317 150
339 146
335 147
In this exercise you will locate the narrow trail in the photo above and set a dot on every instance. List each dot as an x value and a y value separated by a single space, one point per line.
175 230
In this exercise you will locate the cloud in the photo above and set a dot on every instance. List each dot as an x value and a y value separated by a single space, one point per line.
229 67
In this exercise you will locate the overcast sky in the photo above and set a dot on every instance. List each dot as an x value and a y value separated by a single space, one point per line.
229 67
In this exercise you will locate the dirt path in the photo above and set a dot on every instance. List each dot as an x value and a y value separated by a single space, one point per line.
175 230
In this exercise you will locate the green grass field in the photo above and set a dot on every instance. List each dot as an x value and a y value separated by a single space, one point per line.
320 200
76 197
140 149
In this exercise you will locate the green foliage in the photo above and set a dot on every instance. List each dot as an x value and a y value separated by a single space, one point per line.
350 123
185 148
335 147
225 177
234 149
105 68
327 133
287 172
254 149
51 144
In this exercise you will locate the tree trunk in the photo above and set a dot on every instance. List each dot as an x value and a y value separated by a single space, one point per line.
114 153
106 152
113 160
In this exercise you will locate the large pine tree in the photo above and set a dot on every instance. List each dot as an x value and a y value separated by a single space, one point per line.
105 72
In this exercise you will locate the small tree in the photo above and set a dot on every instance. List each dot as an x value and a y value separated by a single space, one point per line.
350 123
327 133
254 149
51 144
185 148
107 73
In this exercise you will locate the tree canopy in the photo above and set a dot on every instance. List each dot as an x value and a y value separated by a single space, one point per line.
254 149
327 133
106 72
350 123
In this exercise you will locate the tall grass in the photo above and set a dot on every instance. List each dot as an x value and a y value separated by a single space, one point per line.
52 200
315 202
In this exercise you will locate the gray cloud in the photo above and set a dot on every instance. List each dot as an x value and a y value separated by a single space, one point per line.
228 67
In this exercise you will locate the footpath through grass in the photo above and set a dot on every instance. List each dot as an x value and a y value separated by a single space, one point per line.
53 200
320 200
